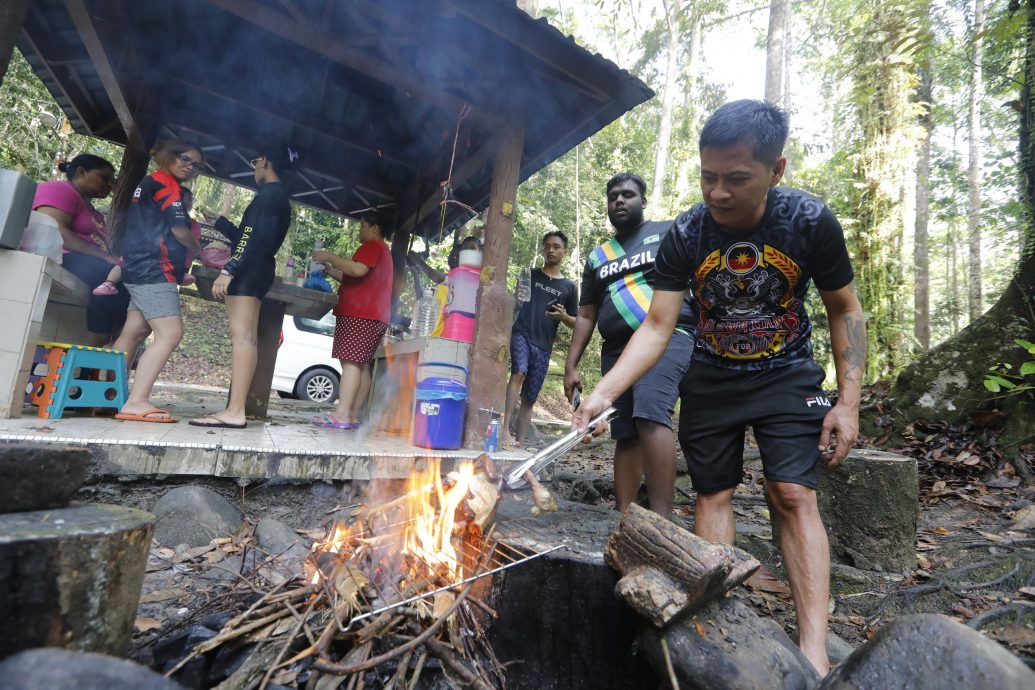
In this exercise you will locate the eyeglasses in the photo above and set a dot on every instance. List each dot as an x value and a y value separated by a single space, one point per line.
255 161
187 160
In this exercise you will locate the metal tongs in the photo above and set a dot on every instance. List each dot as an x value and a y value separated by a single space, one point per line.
547 456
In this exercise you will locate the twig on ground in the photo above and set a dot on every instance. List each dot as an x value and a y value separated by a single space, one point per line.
449 661
668 665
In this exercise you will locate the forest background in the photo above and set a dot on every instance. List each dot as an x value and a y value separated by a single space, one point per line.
904 119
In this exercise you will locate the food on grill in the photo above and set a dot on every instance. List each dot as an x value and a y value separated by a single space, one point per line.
541 496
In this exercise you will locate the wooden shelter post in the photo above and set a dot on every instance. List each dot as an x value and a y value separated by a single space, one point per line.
12 17
490 350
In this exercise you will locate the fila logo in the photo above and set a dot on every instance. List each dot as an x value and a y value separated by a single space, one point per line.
817 400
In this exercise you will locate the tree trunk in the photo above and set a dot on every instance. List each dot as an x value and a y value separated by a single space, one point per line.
882 94
135 158
12 17
974 132
490 350
668 97
921 249
774 51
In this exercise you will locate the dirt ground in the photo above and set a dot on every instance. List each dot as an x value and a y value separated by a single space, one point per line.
975 562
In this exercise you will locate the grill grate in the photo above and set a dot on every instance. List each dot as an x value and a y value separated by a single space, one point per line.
492 556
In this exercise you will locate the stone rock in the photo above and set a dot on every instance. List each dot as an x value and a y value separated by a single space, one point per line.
56 668
930 652
727 646
288 549
40 477
194 515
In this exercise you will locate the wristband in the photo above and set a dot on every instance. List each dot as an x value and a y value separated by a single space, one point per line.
225 272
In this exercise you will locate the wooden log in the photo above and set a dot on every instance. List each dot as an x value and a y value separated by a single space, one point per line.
38 477
667 570
870 506
71 577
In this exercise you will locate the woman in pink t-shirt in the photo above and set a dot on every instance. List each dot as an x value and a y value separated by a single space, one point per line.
87 252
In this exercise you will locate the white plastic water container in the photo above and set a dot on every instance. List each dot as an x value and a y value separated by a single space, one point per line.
16 194
42 237
463 284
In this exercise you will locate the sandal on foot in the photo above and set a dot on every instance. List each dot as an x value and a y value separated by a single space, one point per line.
106 289
329 421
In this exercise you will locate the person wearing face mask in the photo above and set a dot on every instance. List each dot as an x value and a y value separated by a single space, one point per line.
155 241
87 242
248 276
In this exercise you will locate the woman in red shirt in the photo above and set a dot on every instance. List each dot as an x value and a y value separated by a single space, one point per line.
363 311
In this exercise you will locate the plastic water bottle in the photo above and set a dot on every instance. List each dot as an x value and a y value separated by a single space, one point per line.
425 313
524 286
316 266
492 436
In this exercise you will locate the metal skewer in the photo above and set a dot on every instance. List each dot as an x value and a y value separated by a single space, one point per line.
547 456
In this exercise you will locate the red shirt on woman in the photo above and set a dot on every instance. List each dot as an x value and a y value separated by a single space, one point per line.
370 296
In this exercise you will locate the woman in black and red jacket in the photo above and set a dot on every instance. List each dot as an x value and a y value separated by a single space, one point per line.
155 239
248 275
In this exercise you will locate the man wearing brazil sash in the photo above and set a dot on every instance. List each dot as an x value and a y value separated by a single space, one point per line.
617 284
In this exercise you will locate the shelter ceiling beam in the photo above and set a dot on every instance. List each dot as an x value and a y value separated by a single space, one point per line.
522 34
333 48
105 71
281 111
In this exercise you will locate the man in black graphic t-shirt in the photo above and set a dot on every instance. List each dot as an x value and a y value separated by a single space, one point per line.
748 253
553 300
617 285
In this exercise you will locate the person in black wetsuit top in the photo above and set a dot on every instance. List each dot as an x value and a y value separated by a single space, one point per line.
248 276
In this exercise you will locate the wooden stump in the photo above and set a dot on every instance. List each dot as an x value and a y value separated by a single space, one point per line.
38 477
71 578
666 570
869 505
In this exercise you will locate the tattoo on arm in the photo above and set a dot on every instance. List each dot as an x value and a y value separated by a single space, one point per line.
854 352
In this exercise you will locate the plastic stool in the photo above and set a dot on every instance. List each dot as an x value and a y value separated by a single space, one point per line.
38 371
68 382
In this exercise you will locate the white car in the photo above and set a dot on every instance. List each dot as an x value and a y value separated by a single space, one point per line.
305 368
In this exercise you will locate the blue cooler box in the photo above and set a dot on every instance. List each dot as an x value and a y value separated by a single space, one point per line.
438 410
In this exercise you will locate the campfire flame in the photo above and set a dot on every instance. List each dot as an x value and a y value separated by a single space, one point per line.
424 526
429 527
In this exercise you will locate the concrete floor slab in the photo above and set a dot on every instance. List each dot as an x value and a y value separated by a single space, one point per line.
286 446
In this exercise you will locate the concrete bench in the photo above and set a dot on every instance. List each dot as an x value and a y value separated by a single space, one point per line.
39 300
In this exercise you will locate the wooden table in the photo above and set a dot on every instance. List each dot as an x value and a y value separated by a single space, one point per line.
280 300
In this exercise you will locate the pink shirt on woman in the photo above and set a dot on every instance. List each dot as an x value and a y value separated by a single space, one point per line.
87 222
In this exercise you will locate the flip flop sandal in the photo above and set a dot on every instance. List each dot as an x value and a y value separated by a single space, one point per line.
219 423
154 415
329 422
106 289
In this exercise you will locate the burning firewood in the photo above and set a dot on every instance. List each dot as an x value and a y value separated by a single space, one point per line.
541 496
391 587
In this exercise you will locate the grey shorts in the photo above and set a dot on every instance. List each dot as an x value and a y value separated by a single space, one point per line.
653 397
154 300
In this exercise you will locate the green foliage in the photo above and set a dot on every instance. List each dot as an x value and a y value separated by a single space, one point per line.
34 133
1004 378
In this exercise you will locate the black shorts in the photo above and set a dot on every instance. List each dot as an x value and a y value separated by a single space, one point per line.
653 397
252 283
785 407
105 314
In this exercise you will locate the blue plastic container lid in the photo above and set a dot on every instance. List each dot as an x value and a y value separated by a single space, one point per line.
442 384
